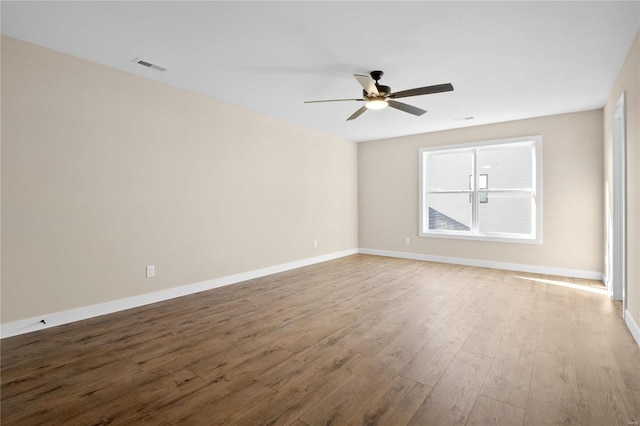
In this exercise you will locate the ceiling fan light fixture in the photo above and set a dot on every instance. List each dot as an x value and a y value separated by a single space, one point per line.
377 104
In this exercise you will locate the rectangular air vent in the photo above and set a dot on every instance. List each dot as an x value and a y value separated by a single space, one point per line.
149 64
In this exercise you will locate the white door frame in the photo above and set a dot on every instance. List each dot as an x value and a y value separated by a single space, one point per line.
618 285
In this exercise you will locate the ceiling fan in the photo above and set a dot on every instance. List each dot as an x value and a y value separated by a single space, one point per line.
378 96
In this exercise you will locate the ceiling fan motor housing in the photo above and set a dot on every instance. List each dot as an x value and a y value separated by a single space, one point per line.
383 91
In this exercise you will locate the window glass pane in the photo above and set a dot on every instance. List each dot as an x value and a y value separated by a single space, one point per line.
449 171
449 212
507 166
505 213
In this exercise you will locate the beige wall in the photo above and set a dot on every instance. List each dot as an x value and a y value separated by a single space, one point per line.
572 193
628 81
104 172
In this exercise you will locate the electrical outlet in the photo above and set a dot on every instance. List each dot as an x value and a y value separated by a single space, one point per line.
151 271
315 243
407 241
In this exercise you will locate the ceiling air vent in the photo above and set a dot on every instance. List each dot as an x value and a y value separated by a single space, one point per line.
149 64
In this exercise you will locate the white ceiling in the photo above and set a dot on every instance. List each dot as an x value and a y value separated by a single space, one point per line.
506 60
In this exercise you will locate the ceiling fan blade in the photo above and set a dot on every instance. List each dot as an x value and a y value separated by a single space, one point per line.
332 100
367 84
428 90
358 113
406 108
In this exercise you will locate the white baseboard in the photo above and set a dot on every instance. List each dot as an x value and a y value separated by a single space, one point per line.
633 326
546 270
85 312
33 324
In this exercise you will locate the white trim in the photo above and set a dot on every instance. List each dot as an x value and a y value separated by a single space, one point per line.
619 198
33 324
546 270
633 326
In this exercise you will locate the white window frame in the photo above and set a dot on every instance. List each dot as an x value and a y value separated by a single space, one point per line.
474 234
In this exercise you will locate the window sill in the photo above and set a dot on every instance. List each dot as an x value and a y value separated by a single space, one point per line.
489 238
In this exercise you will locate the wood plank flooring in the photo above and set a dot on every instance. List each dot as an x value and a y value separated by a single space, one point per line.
359 340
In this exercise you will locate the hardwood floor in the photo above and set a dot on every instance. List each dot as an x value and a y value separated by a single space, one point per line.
358 340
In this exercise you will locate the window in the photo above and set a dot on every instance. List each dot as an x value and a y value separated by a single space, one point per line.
483 191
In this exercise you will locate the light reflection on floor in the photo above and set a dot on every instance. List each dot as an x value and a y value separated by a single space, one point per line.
567 285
